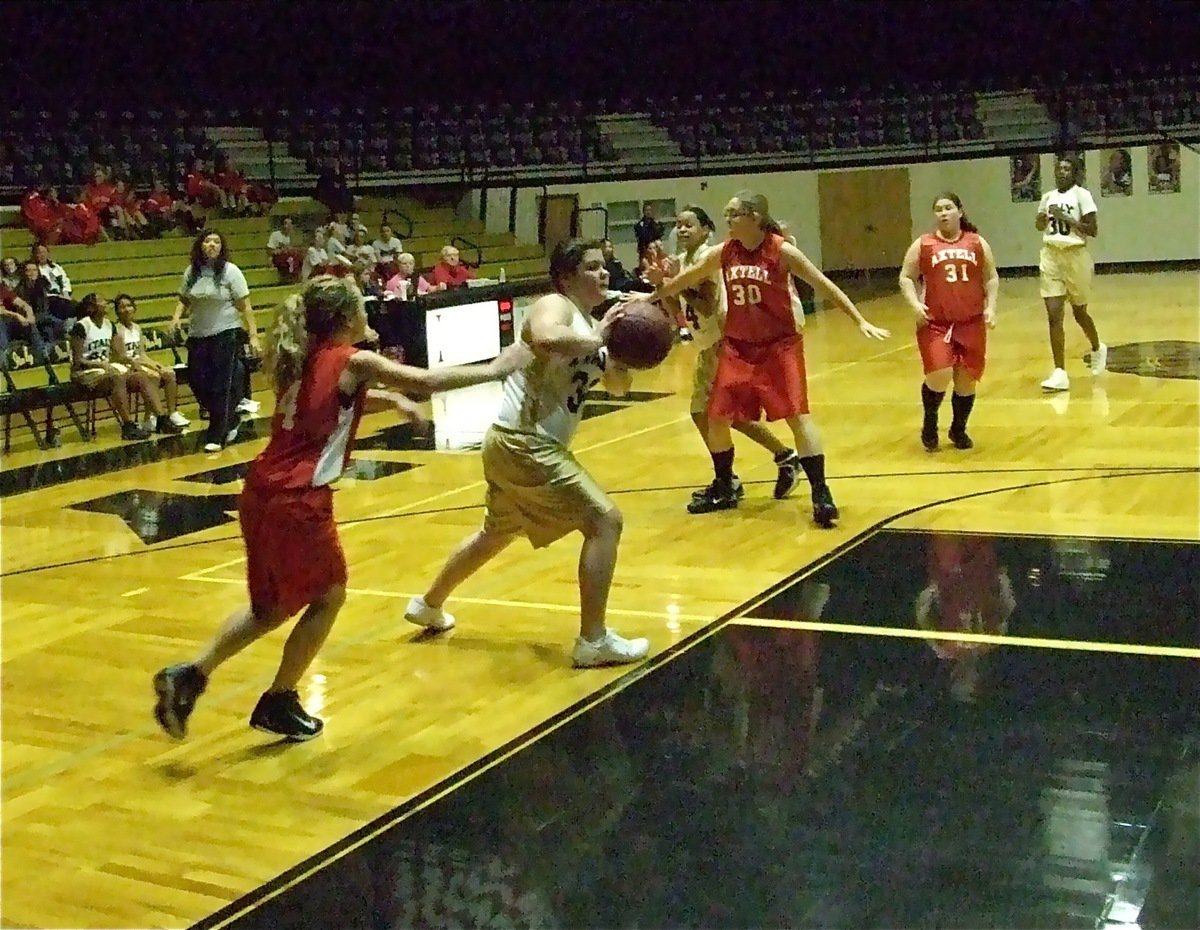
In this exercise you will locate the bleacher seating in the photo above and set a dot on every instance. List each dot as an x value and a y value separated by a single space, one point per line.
150 270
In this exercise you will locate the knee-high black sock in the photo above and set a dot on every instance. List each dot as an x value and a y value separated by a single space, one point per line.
723 465
931 400
814 468
961 404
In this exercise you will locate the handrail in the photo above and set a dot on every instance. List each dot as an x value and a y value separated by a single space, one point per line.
470 245
387 214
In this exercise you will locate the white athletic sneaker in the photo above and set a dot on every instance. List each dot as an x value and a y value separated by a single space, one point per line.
1100 359
610 649
248 405
431 618
212 447
1058 381
232 435
178 419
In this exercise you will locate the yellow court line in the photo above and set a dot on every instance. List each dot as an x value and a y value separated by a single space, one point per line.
1034 642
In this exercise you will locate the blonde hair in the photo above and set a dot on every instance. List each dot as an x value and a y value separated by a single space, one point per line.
321 308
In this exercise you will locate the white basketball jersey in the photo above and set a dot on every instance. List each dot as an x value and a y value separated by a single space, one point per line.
97 340
547 395
132 338
1076 203
706 323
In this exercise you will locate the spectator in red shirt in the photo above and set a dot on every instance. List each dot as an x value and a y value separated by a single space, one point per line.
449 272
124 199
43 215
200 189
100 196
161 210
233 185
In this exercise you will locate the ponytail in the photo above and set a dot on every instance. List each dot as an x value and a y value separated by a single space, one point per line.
287 343
757 204
326 306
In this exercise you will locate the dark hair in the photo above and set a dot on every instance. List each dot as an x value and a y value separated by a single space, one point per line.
89 300
198 261
117 300
705 221
567 257
757 203
964 223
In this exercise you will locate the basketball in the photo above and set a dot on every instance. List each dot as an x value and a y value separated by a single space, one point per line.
643 337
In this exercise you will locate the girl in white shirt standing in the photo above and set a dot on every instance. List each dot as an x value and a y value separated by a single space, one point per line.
1066 217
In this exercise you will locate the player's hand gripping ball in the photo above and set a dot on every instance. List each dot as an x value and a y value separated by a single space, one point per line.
641 336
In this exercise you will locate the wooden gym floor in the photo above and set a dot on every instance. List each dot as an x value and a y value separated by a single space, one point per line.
107 823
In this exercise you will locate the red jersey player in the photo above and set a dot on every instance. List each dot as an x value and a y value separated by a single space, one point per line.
955 263
294 558
761 362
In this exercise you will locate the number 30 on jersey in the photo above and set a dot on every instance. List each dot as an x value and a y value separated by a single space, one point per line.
742 294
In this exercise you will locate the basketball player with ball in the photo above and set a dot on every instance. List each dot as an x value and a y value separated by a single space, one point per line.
760 364
703 308
535 487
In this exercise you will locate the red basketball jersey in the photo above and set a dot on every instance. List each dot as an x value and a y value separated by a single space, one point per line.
952 272
313 427
756 286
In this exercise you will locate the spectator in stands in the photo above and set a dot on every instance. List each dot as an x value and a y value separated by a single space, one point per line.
151 379
361 254
233 185
338 263
316 258
43 215
339 227
161 210
135 222
618 278
202 193
450 271
387 251
647 229
214 294
653 256
32 289
354 225
99 195
287 258
17 321
58 285
92 365
332 189
400 285
10 272
369 283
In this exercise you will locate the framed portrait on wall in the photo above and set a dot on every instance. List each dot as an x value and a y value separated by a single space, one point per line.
1025 178
1116 175
1162 172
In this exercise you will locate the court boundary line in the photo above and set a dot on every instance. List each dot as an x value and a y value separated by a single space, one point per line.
318 861
1090 470
991 639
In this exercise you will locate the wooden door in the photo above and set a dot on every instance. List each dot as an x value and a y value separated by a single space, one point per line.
865 218
558 213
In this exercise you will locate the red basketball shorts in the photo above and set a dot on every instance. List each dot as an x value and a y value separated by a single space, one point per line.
757 378
292 547
954 345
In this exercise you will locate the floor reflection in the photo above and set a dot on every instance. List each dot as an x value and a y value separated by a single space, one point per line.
782 777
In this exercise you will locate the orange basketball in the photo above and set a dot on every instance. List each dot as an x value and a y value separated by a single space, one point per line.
643 337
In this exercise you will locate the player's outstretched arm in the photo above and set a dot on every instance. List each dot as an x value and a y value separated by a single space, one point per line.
708 265
373 368
799 265
910 274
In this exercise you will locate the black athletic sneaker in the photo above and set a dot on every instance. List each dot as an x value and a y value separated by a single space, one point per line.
960 439
824 509
929 439
789 474
739 490
282 715
177 687
720 495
